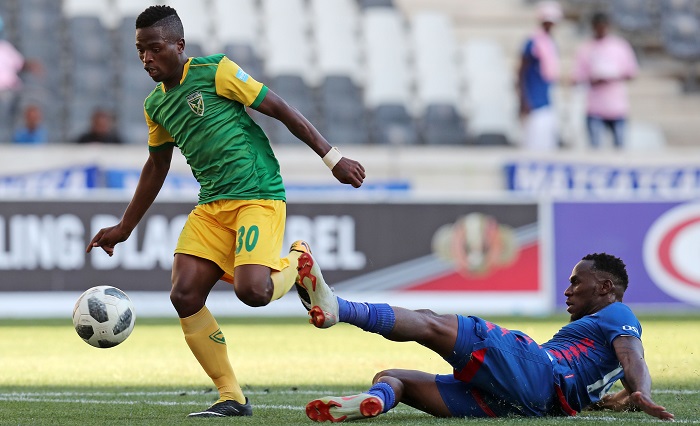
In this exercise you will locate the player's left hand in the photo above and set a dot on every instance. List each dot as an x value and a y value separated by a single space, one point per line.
650 407
349 171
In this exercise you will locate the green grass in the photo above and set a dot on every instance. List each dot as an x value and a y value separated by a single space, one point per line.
48 376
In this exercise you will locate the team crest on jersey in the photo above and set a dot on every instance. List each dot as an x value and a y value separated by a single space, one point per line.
196 103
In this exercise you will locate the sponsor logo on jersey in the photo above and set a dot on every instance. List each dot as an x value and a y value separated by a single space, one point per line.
196 103
670 252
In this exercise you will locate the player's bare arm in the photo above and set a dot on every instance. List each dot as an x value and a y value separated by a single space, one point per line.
150 182
346 170
630 352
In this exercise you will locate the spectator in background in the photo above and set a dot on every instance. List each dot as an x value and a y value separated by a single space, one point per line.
12 63
605 63
33 131
538 70
101 129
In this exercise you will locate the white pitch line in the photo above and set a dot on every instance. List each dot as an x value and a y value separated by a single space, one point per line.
122 402
647 419
160 393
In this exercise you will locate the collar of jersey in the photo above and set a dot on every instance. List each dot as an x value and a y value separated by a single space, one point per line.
185 70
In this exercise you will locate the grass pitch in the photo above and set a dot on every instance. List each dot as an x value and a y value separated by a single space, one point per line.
48 376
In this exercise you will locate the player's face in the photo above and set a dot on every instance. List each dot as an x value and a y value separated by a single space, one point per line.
160 56
582 295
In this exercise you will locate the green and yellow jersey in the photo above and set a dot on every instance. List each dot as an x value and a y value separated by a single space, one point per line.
205 116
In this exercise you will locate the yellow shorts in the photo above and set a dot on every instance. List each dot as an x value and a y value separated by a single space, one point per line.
236 232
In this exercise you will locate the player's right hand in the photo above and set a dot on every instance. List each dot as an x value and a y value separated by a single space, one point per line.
349 171
650 407
107 238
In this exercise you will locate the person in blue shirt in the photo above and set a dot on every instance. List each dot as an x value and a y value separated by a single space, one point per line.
499 372
537 72
33 132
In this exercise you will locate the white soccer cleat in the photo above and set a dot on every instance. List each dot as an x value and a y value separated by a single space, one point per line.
344 408
324 305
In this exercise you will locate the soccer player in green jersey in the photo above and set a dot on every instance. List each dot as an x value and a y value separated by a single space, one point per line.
235 233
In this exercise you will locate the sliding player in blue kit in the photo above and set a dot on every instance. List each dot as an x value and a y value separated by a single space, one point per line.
500 372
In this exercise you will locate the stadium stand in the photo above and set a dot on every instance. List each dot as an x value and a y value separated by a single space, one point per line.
375 55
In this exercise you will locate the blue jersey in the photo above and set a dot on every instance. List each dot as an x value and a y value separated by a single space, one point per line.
586 364
535 87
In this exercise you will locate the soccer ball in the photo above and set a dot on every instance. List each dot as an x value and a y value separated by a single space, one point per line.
103 316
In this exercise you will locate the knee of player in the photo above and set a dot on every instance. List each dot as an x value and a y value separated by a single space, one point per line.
254 295
183 299
382 376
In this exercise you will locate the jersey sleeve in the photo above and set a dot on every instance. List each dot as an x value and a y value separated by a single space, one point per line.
235 84
618 320
158 137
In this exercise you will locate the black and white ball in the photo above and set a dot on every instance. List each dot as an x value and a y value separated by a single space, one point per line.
103 316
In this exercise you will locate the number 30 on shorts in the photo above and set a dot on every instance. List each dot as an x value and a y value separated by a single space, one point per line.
247 238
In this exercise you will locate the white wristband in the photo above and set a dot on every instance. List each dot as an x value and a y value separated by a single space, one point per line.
332 158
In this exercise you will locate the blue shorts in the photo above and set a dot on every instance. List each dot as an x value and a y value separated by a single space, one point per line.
497 372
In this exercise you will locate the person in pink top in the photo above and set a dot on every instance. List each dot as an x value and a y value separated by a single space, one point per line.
12 63
605 63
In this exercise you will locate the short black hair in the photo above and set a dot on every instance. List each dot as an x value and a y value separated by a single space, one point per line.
599 18
162 16
612 265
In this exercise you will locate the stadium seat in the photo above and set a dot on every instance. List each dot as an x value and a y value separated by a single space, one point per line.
336 41
670 7
638 21
87 38
388 74
442 125
434 50
38 18
342 111
124 8
680 34
635 15
102 9
489 101
376 3
391 124
244 55
247 28
196 19
286 39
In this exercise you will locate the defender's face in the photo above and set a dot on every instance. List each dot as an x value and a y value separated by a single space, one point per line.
582 294
160 56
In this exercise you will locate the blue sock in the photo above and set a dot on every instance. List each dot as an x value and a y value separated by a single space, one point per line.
352 312
384 392
373 317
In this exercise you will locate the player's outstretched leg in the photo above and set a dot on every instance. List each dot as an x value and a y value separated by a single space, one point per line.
323 303
226 409
379 399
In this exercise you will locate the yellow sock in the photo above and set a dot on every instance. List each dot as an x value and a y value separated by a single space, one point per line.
284 280
204 337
